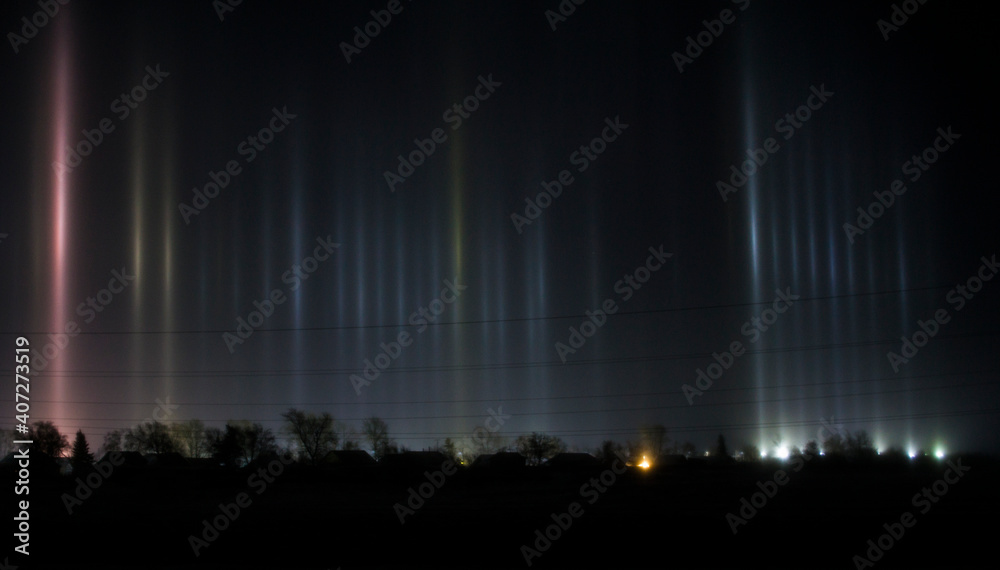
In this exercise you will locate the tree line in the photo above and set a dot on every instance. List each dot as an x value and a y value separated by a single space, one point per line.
313 435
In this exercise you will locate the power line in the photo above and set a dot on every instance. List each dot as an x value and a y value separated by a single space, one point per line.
598 410
110 374
674 392
678 429
492 321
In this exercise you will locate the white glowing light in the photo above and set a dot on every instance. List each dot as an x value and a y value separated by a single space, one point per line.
781 452
939 454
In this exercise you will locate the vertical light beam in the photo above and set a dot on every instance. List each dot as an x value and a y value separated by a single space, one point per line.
60 203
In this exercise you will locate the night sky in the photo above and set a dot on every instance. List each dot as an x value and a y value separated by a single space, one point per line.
320 213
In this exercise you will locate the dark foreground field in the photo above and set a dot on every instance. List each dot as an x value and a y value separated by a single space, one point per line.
671 517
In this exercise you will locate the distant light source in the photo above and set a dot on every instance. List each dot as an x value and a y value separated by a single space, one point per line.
912 455
781 452
645 463
939 454
763 455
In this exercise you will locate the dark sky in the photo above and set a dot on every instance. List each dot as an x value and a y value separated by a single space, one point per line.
532 96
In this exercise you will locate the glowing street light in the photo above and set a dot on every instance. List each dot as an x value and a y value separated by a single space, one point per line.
645 463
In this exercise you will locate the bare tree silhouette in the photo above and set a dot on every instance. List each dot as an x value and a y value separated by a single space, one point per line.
149 437
314 435
47 439
377 433
539 447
